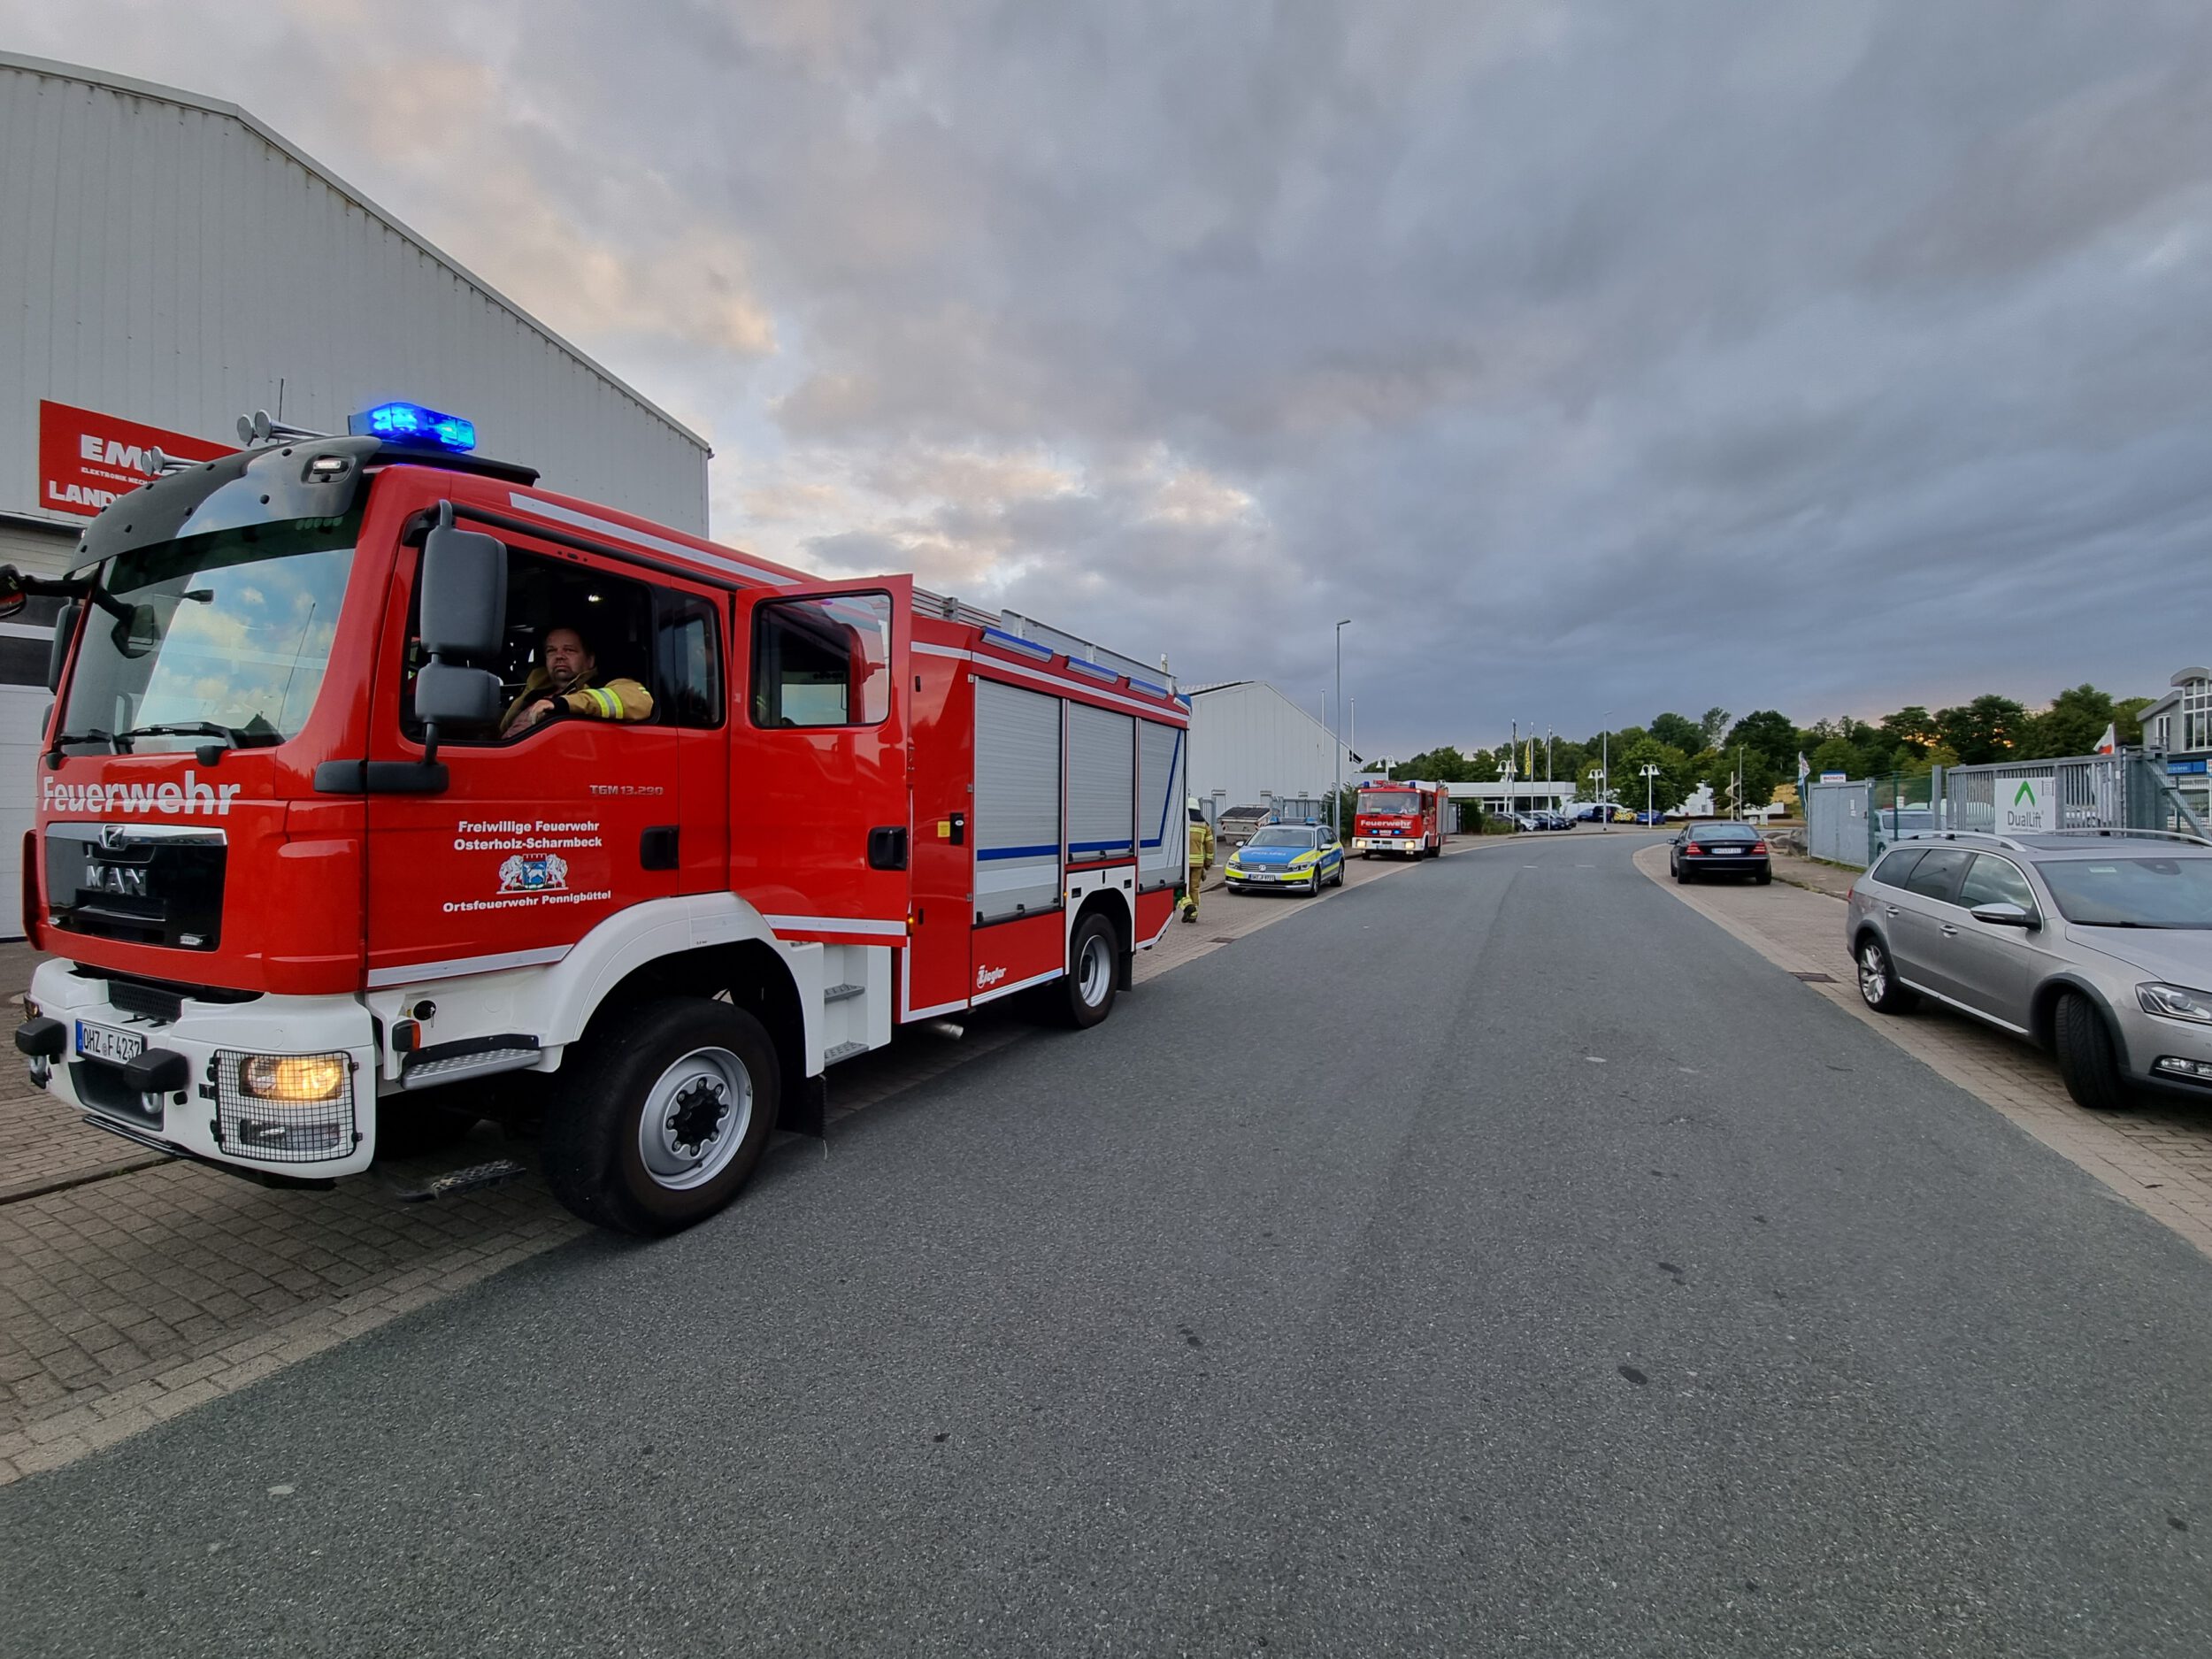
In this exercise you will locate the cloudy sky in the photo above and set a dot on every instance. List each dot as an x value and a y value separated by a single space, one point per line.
1591 357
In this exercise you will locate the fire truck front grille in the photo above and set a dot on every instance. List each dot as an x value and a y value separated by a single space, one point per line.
147 884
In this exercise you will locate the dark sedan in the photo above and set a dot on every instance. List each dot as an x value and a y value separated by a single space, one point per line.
1720 848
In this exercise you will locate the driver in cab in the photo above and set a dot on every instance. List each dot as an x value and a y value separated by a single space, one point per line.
565 683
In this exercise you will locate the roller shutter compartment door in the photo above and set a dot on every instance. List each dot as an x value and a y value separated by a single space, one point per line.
1017 829
1101 784
1163 839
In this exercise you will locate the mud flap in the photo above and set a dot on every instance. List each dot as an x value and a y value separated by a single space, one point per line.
805 1110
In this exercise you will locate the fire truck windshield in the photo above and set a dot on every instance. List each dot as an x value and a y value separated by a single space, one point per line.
226 634
1403 802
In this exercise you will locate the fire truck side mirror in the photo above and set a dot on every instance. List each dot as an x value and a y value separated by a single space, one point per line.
463 590
447 694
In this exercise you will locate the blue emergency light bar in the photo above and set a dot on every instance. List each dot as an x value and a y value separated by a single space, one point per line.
411 422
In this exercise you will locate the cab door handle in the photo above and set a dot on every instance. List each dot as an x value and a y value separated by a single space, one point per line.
886 847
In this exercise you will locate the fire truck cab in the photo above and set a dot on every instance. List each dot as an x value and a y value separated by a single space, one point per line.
1404 820
331 859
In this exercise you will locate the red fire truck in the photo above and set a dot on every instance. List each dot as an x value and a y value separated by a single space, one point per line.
1403 819
311 886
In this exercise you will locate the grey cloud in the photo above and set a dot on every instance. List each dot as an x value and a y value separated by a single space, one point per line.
1590 355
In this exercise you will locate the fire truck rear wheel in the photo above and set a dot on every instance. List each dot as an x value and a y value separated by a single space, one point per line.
1087 996
665 1116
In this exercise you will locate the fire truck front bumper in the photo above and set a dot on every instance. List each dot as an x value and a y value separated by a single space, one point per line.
283 1087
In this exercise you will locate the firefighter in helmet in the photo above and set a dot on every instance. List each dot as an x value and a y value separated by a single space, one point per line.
566 683
1202 860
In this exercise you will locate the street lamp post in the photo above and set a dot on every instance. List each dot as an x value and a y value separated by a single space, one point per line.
1336 801
1650 771
1605 773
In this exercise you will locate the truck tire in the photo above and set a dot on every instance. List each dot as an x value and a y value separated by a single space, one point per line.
665 1115
2088 1060
1086 995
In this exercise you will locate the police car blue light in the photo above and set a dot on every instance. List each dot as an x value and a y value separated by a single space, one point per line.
411 422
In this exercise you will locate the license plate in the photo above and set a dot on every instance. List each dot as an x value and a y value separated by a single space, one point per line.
104 1042
1254 876
1727 852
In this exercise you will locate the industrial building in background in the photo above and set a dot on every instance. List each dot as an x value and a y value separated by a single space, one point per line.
171 264
1251 746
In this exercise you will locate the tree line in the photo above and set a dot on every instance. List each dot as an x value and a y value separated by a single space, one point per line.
1692 753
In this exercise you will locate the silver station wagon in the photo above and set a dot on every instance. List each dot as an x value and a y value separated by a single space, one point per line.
2095 944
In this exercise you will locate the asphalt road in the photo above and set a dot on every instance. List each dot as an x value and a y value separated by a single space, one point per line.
1497 1259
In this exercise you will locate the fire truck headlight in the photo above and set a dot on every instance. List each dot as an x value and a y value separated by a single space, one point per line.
299 1078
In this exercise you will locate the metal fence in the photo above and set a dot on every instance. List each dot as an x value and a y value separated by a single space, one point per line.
2085 792
1837 826
1853 822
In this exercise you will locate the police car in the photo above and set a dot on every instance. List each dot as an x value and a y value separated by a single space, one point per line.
1302 857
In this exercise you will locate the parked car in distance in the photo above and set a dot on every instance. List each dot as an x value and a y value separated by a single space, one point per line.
1719 848
2094 944
1651 818
1297 857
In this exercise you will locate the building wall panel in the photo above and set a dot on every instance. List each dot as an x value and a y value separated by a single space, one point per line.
171 262
1249 743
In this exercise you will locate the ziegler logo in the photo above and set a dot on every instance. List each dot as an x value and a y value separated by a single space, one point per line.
984 978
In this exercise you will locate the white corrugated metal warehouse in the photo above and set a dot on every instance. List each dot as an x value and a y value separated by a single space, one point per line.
1252 746
168 263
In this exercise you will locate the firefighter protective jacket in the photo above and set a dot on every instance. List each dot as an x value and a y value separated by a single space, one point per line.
618 700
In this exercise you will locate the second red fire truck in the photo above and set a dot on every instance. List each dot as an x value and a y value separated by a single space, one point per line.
1405 820
307 876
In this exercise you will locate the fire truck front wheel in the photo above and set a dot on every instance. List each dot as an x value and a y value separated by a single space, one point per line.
664 1117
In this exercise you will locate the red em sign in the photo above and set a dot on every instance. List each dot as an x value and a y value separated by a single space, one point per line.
86 459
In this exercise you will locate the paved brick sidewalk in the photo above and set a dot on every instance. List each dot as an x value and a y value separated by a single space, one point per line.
2157 1154
1801 871
126 1298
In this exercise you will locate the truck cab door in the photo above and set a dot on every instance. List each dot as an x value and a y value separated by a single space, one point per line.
538 834
821 819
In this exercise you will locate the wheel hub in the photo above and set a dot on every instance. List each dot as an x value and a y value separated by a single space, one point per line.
695 1117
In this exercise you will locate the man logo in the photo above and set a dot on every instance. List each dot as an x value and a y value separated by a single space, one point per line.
125 881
